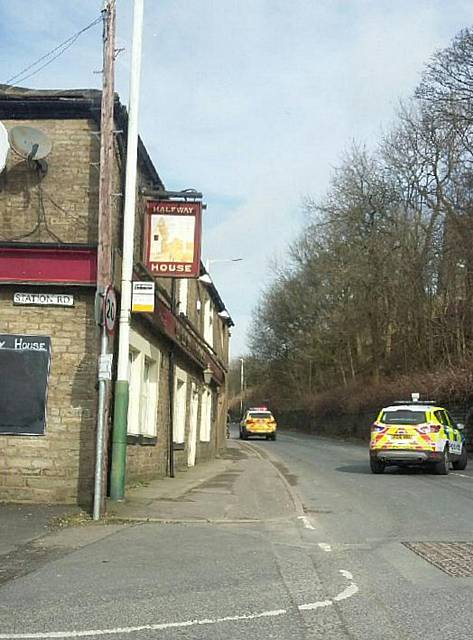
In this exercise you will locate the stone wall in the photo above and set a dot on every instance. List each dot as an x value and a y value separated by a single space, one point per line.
59 466
62 205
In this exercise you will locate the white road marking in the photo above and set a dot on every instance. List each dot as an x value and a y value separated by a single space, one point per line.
308 525
315 605
145 627
348 592
306 522
462 475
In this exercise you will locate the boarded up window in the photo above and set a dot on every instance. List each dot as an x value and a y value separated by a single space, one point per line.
24 372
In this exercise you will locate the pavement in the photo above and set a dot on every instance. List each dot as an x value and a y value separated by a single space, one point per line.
244 484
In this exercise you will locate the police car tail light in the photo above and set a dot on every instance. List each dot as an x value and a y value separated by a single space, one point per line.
434 428
429 428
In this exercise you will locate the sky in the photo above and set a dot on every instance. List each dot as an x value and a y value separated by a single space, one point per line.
251 102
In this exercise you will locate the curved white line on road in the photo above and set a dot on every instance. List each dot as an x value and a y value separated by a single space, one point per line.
162 626
348 592
326 547
315 605
346 574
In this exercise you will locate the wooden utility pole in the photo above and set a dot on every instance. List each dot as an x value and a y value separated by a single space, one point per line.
104 248
104 257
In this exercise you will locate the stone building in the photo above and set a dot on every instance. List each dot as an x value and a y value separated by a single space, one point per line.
48 264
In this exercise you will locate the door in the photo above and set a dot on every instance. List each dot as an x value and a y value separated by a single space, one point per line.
193 425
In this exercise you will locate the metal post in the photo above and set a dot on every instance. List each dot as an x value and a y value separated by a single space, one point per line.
117 482
242 386
172 382
104 249
99 451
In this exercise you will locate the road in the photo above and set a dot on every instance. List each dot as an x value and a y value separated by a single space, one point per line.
340 567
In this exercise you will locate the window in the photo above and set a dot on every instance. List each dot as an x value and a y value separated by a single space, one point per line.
448 418
148 397
180 406
208 323
206 416
143 378
222 331
263 415
133 392
404 416
182 295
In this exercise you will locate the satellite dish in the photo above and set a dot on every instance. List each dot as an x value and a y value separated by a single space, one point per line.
4 146
29 143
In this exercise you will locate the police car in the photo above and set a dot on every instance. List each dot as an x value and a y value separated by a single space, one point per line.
258 421
417 433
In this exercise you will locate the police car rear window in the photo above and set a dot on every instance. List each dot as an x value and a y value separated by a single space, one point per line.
260 415
403 416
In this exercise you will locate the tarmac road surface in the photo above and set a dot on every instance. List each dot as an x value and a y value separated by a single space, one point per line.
302 542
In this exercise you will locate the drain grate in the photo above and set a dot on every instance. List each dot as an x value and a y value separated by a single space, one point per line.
453 558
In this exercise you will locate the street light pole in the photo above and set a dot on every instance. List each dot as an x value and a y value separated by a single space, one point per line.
117 478
242 385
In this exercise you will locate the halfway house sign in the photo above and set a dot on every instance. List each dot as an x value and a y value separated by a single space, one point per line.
173 238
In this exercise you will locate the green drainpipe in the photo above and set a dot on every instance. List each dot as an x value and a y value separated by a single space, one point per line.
119 444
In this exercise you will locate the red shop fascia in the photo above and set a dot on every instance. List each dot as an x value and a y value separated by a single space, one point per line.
48 263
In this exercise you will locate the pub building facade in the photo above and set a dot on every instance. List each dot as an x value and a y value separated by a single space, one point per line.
49 336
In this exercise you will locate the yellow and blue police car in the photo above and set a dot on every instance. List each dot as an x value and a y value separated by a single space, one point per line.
417 433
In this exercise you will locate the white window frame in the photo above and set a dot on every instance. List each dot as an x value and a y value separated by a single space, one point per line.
134 383
143 393
206 415
183 295
209 323
180 406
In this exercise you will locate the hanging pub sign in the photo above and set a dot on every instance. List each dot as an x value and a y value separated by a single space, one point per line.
174 230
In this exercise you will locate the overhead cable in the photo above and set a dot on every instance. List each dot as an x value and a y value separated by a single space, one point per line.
55 53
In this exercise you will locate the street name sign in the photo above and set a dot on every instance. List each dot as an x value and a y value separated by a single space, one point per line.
44 299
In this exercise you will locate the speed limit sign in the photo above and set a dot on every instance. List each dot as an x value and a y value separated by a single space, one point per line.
110 309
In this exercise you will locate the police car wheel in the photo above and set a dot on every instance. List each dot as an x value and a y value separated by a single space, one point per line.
377 466
442 468
461 463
